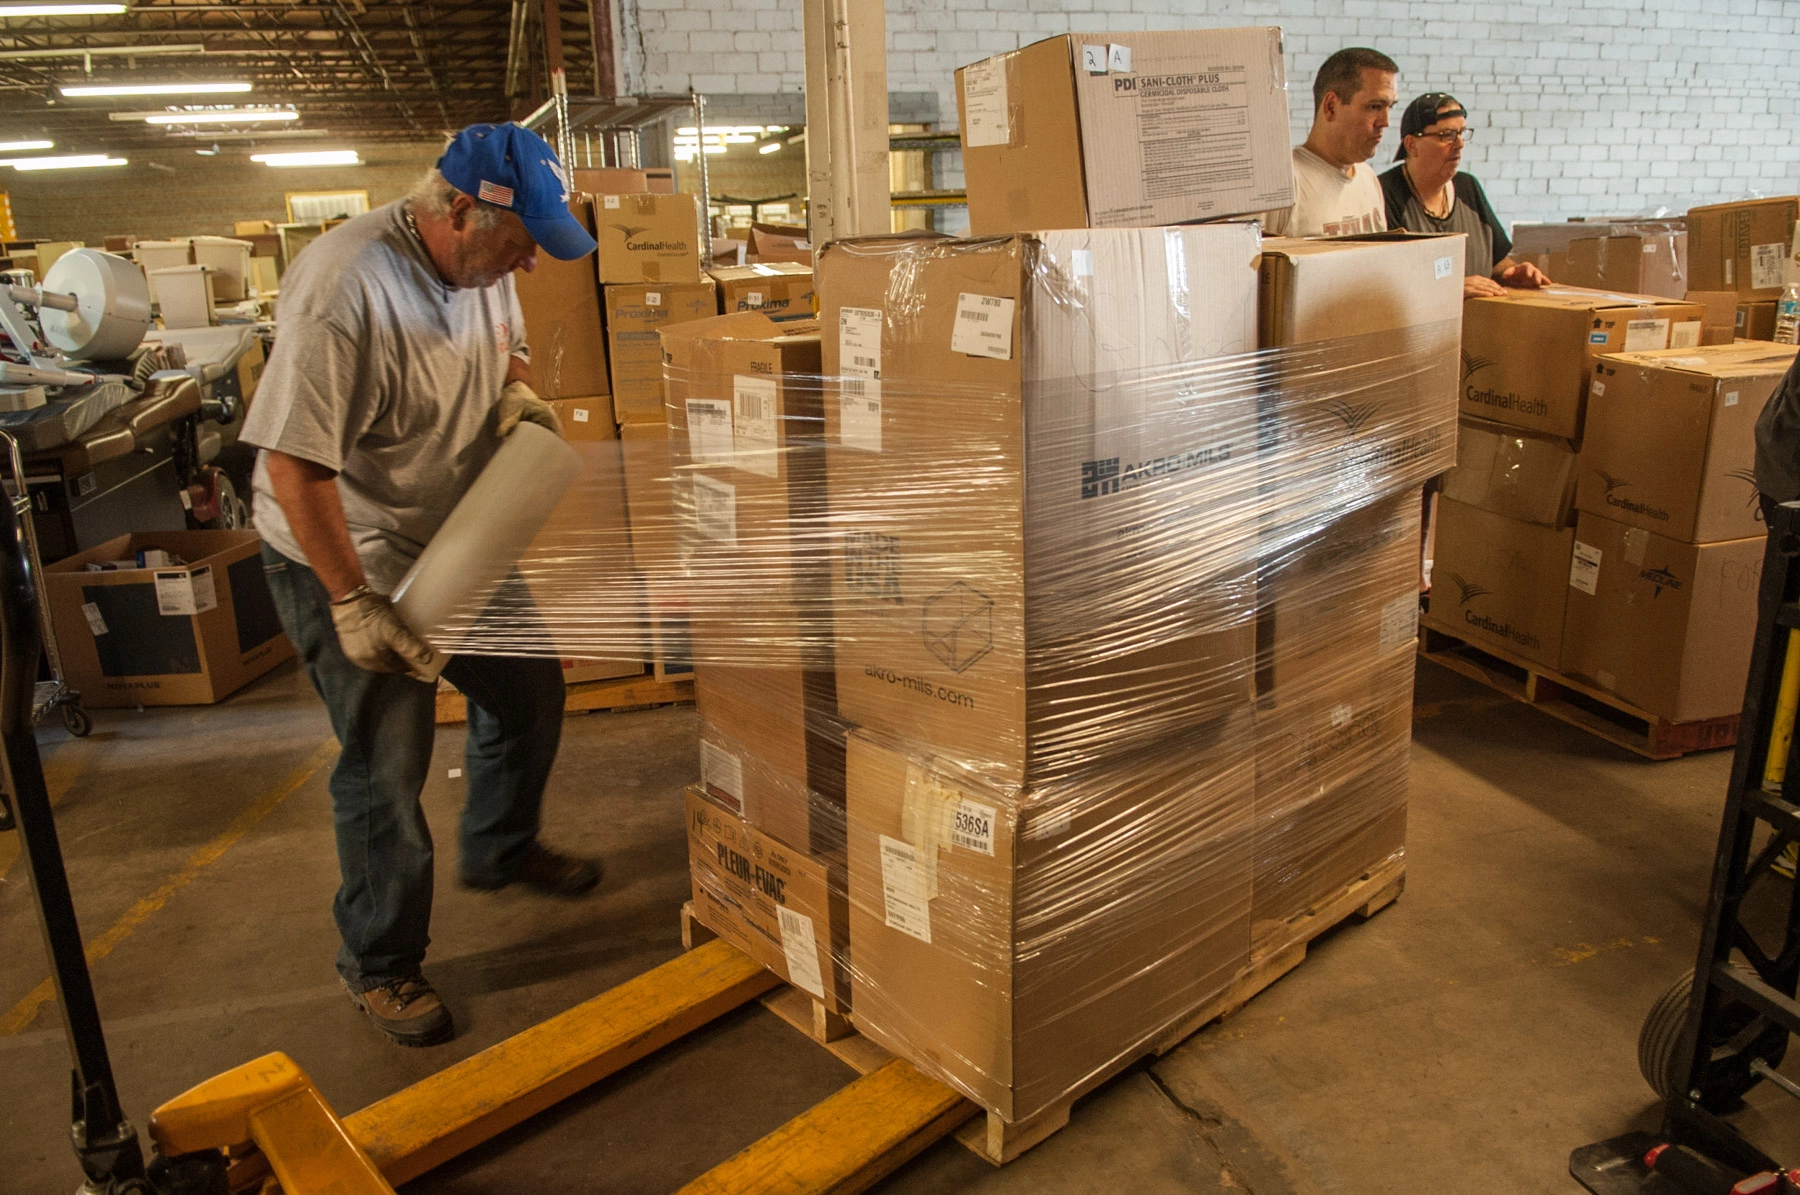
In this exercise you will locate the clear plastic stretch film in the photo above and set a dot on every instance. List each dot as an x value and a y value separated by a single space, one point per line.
1071 646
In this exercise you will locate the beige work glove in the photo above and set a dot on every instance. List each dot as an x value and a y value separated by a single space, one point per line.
375 637
519 403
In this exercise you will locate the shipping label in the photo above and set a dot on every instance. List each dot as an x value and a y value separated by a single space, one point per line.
715 509
1767 265
709 431
755 424
801 949
1584 568
1685 335
905 906
1399 622
986 118
973 827
859 378
185 591
722 770
96 623
983 326
1644 334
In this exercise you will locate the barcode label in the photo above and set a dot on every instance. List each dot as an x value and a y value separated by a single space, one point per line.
715 509
709 431
972 827
983 326
758 441
859 382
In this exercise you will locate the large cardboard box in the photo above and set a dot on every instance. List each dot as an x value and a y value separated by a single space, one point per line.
647 238
1016 945
1548 246
649 496
633 315
586 418
784 908
1746 246
1671 439
188 635
1332 763
1110 130
1501 582
1366 401
772 745
1513 472
561 304
1718 319
1667 626
781 290
1756 321
1023 620
1338 600
1527 355
229 259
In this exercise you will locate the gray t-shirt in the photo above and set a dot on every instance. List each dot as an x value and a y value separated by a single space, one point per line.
388 376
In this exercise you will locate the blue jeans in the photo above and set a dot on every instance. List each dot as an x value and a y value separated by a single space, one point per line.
385 723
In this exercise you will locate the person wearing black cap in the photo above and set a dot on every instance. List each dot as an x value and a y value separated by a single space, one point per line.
399 366
1427 193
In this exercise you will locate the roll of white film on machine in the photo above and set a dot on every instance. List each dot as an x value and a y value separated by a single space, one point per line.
487 532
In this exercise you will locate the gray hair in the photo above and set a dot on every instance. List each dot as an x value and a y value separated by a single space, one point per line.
433 195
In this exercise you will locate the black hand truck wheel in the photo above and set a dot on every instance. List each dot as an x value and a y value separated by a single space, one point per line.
76 720
1740 1037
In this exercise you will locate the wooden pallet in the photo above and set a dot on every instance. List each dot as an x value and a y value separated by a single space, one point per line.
620 693
999 1141
1594 710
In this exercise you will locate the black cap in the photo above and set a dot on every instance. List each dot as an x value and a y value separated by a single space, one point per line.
1426 111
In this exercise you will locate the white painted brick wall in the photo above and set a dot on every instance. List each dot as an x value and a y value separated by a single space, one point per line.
1582 107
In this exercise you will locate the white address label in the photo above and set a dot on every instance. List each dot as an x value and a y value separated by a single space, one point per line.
801 948
189 591
1642 335
1584 568
96 622
715 509
1443 267
754 418
1766 263
709 431
1399 622
983 326
903 891
859 381
972 827
986 119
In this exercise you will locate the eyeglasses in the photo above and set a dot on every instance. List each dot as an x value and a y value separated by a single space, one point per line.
1450 136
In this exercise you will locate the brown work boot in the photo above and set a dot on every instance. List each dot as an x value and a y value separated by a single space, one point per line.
550 872
407 1010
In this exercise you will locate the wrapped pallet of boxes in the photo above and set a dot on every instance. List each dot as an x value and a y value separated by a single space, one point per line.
747 438
1051 789
1126 129
1367 335
1662 582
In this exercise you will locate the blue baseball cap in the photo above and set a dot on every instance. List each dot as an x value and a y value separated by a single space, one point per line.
509 166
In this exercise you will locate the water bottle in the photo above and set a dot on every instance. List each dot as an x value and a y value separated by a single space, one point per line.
1787 315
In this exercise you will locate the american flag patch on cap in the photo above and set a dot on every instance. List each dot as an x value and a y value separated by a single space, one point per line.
494 193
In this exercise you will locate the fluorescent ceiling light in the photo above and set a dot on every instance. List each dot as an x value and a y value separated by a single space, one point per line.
770 148
240 116
20 146
66 162
8 11
313 157
248 134
104 51
155 89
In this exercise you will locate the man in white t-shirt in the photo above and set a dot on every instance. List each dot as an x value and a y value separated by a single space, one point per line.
1336 191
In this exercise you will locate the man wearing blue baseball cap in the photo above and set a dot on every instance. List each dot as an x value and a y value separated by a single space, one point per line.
399 365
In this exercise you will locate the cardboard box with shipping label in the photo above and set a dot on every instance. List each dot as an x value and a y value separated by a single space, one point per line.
784 908
1746 246
561 304
586 418
1370 328
953 363
1111 130
780 290
772 747
633 316
1528 355
1510 471
1671 439
647 238
1500 582
1013 947
1667 626
188 634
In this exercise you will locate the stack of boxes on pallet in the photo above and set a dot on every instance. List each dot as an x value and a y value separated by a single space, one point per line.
1056 628
1748 252
1602 521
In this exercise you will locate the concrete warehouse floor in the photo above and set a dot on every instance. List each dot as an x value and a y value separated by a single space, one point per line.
1483 1026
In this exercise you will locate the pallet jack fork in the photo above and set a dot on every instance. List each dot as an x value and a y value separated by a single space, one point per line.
1722 1029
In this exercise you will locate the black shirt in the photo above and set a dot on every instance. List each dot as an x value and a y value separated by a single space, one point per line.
1471 214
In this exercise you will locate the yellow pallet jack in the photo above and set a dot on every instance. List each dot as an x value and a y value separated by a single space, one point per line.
265 1123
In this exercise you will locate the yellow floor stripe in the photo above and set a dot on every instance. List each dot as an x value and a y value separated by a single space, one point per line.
26 1010
61 770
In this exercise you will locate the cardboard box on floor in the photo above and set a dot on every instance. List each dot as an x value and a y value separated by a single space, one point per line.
780 290
1371 328
1667 626
189 635
1746 246
950 556
1014 945
1501 582
647 238
1718 315
1510 471
1671 439
1527 355
1110 130
1332 765
633 316
782 907
561 304
586 418
1756 321
1338 600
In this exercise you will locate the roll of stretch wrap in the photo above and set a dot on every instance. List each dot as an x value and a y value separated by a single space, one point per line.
488 531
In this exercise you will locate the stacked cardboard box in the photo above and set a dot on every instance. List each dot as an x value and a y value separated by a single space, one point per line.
561 304
1662 582
649 265
781 290
1644 257
1504 527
